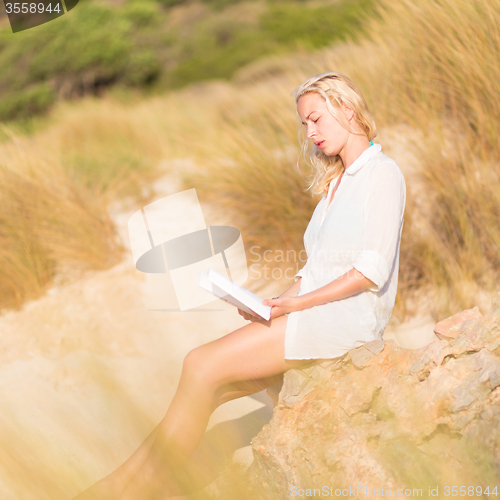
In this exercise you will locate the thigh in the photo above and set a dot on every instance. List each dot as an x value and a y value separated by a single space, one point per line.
255 351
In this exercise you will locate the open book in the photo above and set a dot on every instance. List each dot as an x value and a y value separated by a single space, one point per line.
234 294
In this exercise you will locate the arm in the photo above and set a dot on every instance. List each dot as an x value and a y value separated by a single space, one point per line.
348 284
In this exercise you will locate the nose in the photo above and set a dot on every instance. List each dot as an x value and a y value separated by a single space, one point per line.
310 131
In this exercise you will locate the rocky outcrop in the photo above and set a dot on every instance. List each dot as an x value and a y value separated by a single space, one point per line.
386 417
450 327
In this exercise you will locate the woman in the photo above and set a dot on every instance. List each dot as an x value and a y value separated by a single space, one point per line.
342 297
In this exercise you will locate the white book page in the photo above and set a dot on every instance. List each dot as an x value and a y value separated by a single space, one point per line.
234 294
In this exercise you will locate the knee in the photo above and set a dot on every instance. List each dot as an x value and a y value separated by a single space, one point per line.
197 366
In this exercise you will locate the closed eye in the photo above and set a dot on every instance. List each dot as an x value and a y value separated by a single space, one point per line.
311 120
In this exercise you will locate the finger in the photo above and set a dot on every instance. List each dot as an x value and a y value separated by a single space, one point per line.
269 302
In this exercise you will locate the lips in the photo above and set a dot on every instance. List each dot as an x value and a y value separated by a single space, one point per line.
320 144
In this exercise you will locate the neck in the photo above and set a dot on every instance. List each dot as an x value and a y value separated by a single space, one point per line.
355 145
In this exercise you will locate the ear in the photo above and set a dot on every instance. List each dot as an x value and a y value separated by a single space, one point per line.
348 112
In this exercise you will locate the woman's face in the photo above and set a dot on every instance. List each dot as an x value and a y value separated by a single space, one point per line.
322 127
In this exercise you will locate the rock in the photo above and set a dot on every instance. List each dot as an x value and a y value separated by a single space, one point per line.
463 399
362 356
449 327
296 384
494 380
382 414
274 391
375 346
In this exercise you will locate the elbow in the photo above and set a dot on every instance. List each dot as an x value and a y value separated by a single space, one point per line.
365 283
374 269
370 285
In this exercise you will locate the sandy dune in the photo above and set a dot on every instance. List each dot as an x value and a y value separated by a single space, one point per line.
89 369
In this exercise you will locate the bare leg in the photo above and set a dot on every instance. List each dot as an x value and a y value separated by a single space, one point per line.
113 485
156 472
240 363
253 352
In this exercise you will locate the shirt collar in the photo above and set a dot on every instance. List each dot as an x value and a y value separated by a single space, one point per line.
363 158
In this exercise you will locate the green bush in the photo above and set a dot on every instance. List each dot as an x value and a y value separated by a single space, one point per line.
314 27
219 55
93 45
171 3
142 13
90 38
29 101
137 45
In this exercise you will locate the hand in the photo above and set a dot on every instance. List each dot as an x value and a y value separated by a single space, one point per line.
247 316
281 305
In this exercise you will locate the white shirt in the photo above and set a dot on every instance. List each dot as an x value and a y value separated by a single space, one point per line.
361 229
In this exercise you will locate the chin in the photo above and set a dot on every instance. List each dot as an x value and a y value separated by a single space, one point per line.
328 151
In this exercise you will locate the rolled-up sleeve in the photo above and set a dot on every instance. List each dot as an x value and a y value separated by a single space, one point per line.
300 273
383 214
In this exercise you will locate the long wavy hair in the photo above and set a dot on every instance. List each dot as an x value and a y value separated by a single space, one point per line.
337 90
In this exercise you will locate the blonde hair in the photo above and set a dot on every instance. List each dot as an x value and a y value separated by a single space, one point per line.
337 90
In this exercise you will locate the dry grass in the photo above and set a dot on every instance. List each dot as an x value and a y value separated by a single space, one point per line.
444 82
55 188
431 66
48 224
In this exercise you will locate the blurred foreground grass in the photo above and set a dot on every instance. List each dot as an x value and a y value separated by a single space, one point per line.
428 69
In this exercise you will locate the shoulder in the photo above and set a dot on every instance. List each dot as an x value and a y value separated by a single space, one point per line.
384 168
382 163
